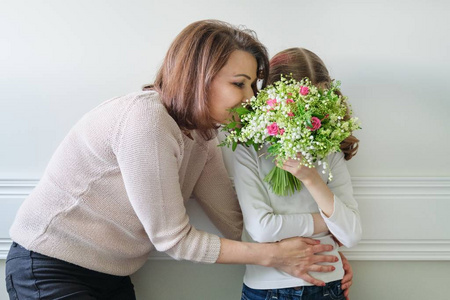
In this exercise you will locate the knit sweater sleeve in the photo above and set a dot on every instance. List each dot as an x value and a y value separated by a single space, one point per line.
149 151
261 222
216 195
345 222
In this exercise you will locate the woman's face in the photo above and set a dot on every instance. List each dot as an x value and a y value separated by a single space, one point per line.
232 85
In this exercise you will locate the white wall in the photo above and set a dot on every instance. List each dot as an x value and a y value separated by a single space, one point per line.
58 59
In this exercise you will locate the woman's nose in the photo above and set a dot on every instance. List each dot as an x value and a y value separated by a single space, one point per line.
249 93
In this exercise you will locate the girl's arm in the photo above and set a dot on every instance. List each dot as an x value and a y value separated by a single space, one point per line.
314 183
261 221
335 198
215 193
319 223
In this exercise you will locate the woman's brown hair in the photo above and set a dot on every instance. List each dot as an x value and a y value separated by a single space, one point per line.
194 58
300 63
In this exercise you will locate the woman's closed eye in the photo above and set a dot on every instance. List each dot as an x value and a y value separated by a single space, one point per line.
239 84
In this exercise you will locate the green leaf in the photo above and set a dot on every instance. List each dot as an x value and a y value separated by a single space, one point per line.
272 149
242 111
231 125
234 146
318 116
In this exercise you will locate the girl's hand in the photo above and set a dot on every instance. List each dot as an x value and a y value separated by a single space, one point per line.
297 256
314 183
302 173
346 282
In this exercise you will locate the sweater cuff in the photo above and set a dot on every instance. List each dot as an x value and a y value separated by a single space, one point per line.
212 254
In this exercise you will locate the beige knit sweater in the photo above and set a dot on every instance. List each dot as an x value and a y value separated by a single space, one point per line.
116 189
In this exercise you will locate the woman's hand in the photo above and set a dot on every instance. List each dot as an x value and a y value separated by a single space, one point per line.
297 256
346 282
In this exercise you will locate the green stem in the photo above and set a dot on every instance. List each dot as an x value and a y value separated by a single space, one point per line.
282 182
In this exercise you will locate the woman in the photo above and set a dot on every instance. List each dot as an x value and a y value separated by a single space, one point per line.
115 188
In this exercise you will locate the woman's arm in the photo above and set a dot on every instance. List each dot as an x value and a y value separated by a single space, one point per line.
335 199
148 157
148 153
215 194
296 256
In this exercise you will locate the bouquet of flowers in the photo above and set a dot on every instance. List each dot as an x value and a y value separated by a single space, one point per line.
292 117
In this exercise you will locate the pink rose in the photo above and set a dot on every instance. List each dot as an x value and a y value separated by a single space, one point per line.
272 129
271 102
315 124
304 90
290 114
281 131
289 101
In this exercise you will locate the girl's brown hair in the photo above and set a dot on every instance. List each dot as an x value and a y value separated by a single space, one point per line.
302 63
192 61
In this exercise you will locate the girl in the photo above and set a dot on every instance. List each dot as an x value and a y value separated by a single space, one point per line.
322 210
115 188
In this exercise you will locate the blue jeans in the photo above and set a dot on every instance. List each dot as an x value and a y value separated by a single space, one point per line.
30 275
332 291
